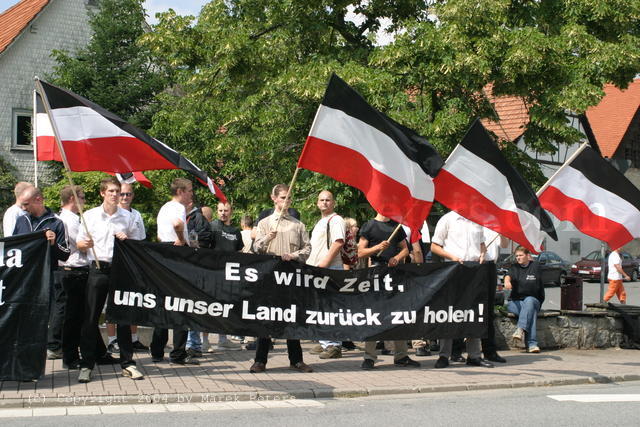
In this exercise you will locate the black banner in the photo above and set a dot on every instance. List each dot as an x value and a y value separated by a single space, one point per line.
24 306
260 295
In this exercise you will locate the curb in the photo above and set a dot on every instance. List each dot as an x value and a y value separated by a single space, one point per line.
318 393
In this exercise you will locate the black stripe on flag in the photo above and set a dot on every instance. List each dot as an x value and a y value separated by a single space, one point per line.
478 141
602 174
341 96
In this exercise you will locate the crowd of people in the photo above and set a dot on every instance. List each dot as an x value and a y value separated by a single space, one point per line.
82 252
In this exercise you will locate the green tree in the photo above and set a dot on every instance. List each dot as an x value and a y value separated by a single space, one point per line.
251 73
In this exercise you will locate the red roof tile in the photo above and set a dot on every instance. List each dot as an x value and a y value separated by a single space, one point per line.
15 19
513 114
610 119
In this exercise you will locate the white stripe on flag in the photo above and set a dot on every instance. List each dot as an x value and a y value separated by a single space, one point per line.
337 127
80 123
43 125
488 181
572 183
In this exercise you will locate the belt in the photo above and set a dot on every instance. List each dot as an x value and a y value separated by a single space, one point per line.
84 268
104 265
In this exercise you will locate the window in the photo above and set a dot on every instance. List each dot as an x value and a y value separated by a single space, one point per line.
21 130
574 246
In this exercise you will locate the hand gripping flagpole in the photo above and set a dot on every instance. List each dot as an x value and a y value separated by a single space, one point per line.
56 134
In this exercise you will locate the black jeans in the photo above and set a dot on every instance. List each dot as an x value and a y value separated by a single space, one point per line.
160 338
74 285
293 349
96 295
56 314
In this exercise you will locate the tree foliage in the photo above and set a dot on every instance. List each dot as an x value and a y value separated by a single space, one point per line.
251 73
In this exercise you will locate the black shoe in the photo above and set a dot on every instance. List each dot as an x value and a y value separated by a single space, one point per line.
186 361
367 364
407 362
458 359
423 351
158 359
251 346
113 347
73 365
138 346
479 362
385 352
442 362
495 357
348 346
107 359
194 353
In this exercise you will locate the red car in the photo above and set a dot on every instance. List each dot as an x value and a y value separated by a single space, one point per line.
589 267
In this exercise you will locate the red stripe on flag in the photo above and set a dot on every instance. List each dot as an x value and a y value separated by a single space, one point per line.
387 196
110 154
471 204
566 208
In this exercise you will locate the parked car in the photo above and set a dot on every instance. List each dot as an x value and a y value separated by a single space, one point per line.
589 267
553 268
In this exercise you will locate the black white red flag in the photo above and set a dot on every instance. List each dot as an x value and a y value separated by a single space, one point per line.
354 143
479 184
593 195
95 139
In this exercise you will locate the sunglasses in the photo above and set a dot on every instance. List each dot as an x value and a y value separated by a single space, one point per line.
126 194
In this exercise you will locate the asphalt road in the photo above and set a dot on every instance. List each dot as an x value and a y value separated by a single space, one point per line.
611 405
591 294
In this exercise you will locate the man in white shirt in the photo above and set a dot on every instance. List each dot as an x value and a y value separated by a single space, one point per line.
15 210
327 238
172 228
70 280
457 239
104 224
127 194
615 276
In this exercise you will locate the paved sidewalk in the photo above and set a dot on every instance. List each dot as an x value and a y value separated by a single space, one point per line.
225 377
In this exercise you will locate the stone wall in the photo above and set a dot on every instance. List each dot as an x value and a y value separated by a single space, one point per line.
561 330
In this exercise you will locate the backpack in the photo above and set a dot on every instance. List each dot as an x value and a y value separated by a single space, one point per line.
348 251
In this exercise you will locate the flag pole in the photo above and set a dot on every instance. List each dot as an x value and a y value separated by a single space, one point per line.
54 127
34 138
567 163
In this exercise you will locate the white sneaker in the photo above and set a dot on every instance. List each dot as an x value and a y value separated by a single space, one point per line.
210 349
85 375
132 372
518 335
534 349
229 345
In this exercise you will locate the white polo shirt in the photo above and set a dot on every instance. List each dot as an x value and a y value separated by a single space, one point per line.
72 226
459 236
169 213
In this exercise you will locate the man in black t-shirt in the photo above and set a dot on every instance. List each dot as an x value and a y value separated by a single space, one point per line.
527 295
226 237
373 239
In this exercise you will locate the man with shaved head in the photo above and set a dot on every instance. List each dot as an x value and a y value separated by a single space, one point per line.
327 238
14 211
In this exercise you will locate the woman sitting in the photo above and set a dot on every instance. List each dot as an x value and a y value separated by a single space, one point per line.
527 295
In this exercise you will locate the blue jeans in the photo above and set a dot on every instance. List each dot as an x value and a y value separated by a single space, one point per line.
194 341
527 312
